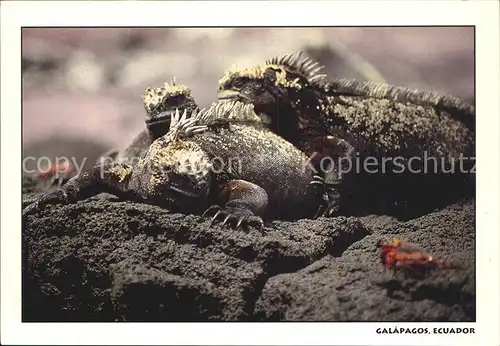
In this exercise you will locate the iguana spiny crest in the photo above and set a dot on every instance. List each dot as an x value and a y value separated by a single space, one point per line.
190 123
178 159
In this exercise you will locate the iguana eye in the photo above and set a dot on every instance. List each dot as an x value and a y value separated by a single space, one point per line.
238 82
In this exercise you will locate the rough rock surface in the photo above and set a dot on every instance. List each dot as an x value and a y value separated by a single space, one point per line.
103 259
355 287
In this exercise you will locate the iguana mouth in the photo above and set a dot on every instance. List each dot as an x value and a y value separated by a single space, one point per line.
161 118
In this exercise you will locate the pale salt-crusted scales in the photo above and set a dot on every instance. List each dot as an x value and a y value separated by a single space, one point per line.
400 94
307 67
197 122
159 103
298 63
188 124
396 128
257 173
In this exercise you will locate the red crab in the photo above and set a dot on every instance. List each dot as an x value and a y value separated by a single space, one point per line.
403 254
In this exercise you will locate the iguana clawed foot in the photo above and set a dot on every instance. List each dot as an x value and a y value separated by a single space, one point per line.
234 217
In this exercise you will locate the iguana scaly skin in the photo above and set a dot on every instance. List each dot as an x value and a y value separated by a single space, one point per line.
160 104
350 119
219 157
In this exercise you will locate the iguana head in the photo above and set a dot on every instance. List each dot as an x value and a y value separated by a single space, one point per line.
161 103
182 172
285 86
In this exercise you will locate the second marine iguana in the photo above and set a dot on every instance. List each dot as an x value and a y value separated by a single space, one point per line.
217 158
160 104
348 121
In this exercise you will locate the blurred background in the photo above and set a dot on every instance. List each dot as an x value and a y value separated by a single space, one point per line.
82 87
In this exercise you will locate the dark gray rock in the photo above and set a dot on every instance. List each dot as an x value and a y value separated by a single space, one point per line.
103 260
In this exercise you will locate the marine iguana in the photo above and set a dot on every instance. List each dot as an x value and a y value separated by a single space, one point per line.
218 157
347 121
160 104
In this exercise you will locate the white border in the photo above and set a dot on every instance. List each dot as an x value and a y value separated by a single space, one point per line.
484 14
